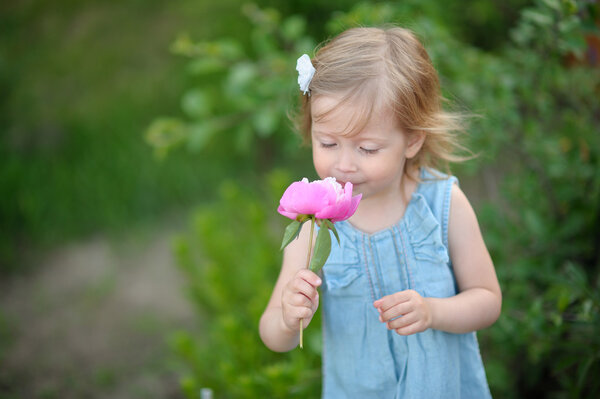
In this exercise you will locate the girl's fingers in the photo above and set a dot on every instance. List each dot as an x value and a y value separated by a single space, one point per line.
403 312
402 321
310 277
303 288
395 311
300 312
301 300
306 283
389 301
411 329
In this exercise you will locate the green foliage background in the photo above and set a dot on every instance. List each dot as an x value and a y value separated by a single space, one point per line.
79 83
215 114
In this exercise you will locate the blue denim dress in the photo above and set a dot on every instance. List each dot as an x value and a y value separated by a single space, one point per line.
361 357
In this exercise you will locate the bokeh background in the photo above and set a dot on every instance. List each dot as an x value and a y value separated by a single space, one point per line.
144 146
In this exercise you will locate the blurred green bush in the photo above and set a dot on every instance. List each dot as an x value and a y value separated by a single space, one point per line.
231 260
536 97
544 232
243 97
79 82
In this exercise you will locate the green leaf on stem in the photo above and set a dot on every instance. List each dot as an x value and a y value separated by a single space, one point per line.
321 251
291 232
329 224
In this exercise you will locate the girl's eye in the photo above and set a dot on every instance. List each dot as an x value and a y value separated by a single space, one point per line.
368 150
327 145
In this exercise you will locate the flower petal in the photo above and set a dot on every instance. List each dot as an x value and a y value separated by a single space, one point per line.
303 198
291 215
325 199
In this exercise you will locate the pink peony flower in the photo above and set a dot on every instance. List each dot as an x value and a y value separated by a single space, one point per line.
325 199
322 201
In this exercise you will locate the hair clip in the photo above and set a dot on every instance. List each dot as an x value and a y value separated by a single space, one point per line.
306 71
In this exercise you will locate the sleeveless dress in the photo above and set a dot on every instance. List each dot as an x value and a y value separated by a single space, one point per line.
361 357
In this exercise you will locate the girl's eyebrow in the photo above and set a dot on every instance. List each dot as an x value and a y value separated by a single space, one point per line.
371 137
320 133
374 138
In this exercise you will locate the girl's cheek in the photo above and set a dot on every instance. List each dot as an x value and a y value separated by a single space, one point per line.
320 166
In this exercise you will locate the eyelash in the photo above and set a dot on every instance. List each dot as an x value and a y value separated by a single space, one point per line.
365 150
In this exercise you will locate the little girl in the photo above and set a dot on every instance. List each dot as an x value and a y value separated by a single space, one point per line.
412 280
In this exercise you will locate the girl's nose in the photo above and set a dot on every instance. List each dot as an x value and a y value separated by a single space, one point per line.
346 162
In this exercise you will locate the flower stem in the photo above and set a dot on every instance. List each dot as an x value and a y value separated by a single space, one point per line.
310 240
312 230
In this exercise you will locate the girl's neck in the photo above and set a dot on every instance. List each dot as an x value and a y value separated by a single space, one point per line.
379 213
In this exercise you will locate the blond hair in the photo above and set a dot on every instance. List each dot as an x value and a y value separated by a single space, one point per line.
386 69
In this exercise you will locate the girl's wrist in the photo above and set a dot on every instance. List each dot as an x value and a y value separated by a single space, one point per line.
431 304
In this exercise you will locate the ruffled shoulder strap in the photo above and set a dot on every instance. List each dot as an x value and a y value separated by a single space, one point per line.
436 187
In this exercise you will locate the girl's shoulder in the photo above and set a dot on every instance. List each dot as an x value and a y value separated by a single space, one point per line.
431 175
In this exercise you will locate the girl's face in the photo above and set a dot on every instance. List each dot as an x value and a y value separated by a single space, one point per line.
372 160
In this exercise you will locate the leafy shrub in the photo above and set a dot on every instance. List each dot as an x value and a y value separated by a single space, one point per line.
544 231
231 259
243 98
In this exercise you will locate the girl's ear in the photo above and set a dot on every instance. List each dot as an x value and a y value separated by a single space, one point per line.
414 143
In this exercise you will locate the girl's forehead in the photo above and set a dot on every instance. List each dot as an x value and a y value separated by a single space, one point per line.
333 115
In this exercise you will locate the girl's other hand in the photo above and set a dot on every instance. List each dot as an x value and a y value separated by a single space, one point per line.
406 312
300 299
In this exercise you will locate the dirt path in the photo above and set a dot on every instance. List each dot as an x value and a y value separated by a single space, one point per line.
92 321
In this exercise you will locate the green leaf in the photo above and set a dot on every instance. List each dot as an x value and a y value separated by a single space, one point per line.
240 76
205 66
244 137
265 121
538 17
321 251
291 232
230 49
329 224
553 4
166 133
200 134
196 103
293 27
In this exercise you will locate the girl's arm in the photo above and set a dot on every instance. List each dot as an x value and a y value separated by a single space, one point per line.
478 303
294 297
479 300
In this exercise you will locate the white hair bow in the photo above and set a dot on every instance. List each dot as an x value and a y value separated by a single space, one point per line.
306 71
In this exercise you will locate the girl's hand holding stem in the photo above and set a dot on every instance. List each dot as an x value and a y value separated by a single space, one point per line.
300 299
295 297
